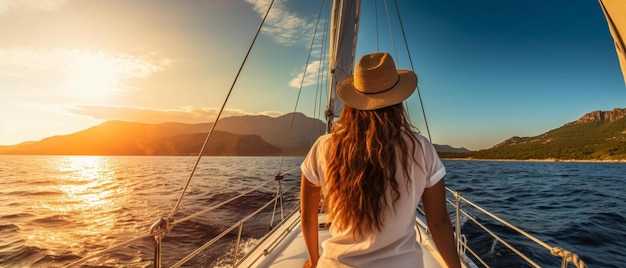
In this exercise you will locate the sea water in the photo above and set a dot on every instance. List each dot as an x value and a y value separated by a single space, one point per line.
57 209
580 207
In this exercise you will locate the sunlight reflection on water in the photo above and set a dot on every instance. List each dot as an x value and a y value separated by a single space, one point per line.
83 212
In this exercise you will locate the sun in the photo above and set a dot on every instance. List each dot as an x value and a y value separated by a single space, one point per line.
93 76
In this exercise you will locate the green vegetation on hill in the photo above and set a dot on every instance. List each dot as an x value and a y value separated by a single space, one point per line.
574 141
597 135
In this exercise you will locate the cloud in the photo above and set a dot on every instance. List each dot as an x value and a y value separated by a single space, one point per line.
7 6
283 26
311 78
22 61
272 113
288 28
74 71
187 114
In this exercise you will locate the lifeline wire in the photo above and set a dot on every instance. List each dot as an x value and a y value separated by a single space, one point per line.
180 199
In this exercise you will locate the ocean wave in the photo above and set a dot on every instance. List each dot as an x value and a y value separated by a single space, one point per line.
17 215
8 227
22 256
602 217
31 193
52 221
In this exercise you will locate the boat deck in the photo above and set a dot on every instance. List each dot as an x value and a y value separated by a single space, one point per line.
292 252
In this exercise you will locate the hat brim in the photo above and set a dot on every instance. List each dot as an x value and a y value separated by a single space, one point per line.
406 85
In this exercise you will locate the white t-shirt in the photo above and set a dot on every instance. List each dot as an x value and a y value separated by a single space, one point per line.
394 245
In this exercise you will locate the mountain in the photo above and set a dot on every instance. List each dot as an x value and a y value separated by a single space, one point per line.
601 116
239 135
128 138
449 149
244 135
598 135
276 131
222 144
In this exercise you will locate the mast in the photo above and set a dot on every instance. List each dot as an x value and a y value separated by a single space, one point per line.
615 13
344 27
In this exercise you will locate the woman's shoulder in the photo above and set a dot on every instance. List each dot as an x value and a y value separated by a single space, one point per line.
321 141
418 136
324 138
427 147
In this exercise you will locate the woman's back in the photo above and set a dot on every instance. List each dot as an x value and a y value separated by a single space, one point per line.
373 170
394 244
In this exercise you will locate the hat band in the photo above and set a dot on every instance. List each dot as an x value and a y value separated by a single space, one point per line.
378 92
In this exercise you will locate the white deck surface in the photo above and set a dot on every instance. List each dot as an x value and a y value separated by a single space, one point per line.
292 253
296 254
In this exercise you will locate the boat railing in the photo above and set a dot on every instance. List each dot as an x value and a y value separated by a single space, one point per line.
164 225
462 245
239 225
276 201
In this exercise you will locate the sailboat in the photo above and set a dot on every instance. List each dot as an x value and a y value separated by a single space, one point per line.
283 245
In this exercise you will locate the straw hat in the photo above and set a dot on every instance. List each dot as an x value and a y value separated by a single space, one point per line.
376 83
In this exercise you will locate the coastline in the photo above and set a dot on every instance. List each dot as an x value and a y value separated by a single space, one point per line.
542 160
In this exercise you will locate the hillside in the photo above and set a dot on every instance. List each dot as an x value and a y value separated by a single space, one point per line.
245 135
448 148
240 135
275 131
223 144
599 135
141 139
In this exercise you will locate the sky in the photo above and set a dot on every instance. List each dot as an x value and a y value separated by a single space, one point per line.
488 70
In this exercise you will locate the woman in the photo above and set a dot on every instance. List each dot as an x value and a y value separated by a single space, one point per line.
373 170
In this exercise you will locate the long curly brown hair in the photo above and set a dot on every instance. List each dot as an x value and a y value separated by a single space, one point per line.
362 166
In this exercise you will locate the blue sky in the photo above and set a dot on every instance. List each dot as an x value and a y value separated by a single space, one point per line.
488 70
495 69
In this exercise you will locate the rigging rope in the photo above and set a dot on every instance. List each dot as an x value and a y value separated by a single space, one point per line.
165 224
406 44
393 43
568 257
180 198
376 21
295 108
322 76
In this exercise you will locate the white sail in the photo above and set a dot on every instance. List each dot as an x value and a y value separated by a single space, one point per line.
343 38
615 13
